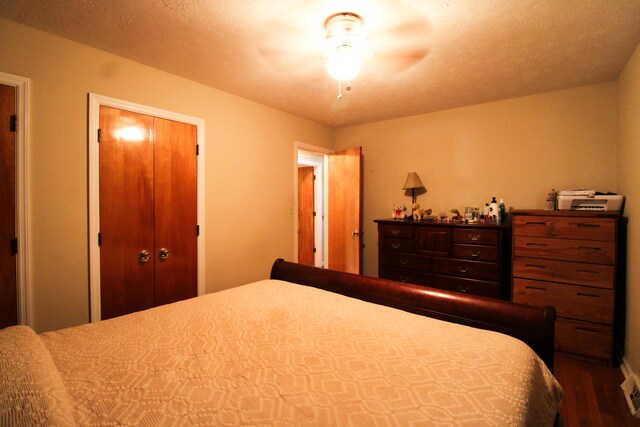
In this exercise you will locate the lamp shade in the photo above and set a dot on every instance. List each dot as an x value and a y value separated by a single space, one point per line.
413 181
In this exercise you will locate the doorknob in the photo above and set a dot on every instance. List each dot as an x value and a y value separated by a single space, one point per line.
357 233
143 256
164 253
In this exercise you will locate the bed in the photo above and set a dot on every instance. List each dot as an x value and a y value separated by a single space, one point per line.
308 346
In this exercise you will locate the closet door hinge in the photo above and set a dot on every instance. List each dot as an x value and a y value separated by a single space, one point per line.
197 149
14 246
13 123
99 239
197 230
99 135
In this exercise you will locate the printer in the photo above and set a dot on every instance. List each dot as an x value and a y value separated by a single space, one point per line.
589 200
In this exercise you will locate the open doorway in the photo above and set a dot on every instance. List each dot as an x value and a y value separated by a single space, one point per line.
337 203
311 204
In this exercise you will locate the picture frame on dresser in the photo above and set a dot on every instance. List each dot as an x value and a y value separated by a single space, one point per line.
574 261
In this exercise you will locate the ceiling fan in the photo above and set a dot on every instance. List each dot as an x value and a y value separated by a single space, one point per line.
323 39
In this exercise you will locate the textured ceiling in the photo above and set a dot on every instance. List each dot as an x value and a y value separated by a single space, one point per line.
430 55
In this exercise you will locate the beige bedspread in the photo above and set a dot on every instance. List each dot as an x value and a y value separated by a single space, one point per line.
276 353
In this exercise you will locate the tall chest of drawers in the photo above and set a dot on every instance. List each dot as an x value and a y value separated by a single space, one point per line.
574 261
459 257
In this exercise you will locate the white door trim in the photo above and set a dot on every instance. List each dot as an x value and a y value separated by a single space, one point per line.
95 101
301 146
22 193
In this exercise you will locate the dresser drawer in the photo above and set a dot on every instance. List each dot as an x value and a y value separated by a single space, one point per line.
395 245
585 339
596 252
405 260
397 231
471 286
476 236
596 275
575 302
468 269
475 252
407 276
603 229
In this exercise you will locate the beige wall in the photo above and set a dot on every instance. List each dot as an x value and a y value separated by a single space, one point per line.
628 184
516 149
249 167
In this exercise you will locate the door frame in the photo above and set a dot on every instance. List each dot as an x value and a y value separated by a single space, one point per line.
95 101
301 146
22 193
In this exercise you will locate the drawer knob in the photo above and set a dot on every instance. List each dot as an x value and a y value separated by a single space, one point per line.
403 279
395 231
395 245
464 289
474 254
463 269
404 261
474 237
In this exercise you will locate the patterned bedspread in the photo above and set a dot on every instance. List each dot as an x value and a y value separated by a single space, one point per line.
273 353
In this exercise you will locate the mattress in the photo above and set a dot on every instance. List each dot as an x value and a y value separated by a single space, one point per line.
273 353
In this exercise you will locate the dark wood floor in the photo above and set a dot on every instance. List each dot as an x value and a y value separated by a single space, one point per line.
592 394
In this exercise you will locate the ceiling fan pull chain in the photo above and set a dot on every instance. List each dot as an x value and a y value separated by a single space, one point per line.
339 89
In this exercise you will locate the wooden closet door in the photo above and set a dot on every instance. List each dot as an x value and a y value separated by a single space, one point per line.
176 213
126 212
8 292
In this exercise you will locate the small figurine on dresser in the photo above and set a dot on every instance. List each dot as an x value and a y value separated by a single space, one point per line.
398 211
455 215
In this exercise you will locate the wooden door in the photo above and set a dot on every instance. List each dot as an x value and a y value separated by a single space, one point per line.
126 212
8 291
306 233
345 232
176 216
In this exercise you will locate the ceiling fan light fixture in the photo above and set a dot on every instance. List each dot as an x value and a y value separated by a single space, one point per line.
346 46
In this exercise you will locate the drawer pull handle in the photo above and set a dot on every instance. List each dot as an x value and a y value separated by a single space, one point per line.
395 231
535 288
589 248
582 328
395 245
581 294
535 266
587 271
535 223
474 254
403 279
474 237
585 224
464 289
544 245
463 269
404 261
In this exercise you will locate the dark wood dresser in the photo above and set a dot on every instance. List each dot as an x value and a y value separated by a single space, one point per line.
454 256
574 261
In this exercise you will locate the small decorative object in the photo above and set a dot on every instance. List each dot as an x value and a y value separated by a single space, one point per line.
551 200
455 215
416 212
443 217
398 211
426 215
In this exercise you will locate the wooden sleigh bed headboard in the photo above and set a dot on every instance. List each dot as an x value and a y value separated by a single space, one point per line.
532 325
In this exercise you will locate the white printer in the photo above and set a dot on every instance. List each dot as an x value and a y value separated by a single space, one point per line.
589 200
